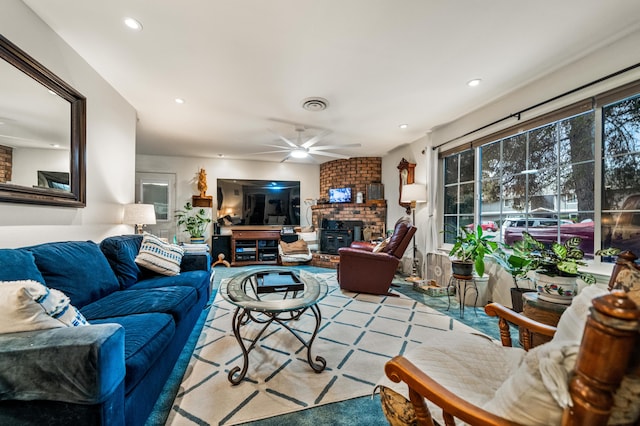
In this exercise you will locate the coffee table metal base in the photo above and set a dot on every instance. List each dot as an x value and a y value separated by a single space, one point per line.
243 316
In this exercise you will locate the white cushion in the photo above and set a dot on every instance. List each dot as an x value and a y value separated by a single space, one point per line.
574 318
469 365
381 245
536 393
29 305
158 256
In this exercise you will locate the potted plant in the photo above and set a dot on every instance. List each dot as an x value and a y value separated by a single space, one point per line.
468 252
194 221
555 266
517 266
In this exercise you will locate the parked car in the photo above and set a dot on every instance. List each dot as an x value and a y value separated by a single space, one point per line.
487 225
548 234
531 222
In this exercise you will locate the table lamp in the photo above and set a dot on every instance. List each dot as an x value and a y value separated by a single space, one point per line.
414 193
139 215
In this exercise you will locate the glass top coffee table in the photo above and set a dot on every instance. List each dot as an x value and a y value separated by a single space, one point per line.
267 295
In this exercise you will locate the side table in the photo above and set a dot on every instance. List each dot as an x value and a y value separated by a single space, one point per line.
539 310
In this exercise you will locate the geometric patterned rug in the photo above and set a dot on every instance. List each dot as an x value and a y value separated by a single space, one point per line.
358 334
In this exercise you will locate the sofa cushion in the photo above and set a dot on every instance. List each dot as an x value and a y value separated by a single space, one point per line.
121 252
176 301
146 337
77 268
159 256
18 264
29 305
198 280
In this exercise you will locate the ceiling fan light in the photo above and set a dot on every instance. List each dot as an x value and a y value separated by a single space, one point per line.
299 153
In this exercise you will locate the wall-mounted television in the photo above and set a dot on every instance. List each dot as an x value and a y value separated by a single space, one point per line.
258 202
340 195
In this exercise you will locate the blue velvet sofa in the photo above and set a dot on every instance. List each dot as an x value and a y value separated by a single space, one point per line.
111 371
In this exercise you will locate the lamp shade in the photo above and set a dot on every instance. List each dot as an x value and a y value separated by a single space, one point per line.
414 192
139 214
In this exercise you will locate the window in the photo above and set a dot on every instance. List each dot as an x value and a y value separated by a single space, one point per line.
542 177
621 175
458 192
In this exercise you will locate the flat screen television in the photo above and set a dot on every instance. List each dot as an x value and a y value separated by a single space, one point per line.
258 202
340 195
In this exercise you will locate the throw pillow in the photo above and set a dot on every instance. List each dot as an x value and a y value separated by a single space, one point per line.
158 256
296 247
381 245
121 252
536 393
573 320
29 305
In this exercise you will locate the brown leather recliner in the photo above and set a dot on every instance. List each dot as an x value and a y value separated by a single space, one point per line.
363 271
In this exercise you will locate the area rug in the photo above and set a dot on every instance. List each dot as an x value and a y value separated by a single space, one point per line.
358 334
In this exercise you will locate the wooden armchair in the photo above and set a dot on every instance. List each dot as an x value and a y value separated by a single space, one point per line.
609 350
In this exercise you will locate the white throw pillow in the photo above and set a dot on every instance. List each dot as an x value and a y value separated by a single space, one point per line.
536 393
573 320
29 305
381 245
158 256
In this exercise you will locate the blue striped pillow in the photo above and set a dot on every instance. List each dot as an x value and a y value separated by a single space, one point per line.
158 256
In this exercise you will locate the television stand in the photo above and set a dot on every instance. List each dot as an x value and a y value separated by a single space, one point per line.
251 247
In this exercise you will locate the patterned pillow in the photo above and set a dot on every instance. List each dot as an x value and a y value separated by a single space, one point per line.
158 256
29 305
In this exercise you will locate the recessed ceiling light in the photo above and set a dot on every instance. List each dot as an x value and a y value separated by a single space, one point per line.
220 155
179 101
473 83
133 24
403 126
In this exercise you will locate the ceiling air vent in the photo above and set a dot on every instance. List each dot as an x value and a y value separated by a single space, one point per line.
315 104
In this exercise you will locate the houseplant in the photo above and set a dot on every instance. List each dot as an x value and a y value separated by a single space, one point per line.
555 266
517 266
468 252
194 221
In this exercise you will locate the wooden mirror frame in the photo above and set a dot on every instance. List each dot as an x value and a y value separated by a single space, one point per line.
406 170
77 167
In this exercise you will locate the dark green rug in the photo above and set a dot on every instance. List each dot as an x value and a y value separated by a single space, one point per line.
360 411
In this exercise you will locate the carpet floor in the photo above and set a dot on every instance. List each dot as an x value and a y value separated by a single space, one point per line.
357 331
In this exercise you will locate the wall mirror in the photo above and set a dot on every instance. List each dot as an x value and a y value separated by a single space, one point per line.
42 133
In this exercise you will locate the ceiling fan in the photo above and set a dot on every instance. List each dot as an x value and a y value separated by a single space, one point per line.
308 148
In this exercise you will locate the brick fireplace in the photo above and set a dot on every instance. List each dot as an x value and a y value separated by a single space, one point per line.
356 173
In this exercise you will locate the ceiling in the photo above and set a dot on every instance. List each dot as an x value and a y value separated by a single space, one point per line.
243 67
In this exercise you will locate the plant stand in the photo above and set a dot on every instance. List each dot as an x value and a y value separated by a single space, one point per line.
464 288
516 297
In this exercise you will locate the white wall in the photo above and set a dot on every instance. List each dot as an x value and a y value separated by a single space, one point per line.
111 125
186 169
413 153
605 61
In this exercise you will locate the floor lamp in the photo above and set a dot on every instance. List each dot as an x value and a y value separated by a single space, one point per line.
414 193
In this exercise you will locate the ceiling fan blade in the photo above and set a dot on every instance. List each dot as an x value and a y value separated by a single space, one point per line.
315 139
330 154
286 148
324 147
271 152
287 141
285 158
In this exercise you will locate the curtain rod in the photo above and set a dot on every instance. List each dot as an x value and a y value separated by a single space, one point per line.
539 104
